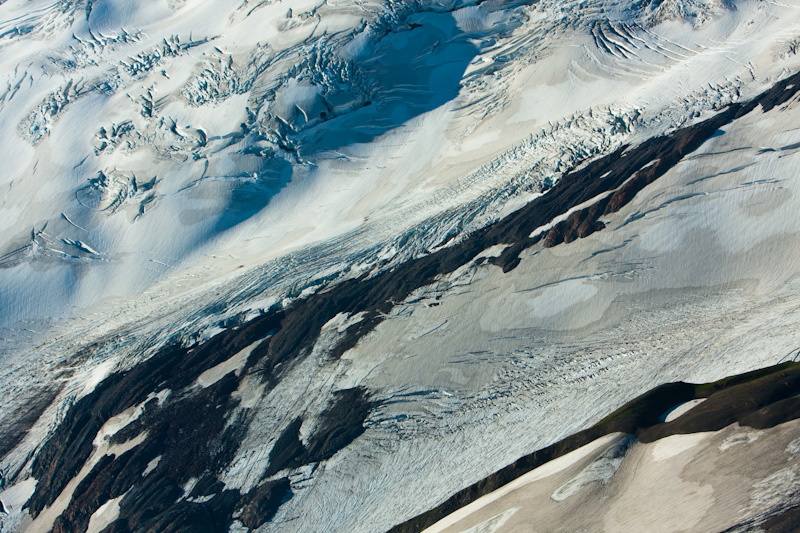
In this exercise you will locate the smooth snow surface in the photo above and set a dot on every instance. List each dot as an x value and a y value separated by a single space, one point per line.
104 516
546 470
669 447
680 483
171 167
681 409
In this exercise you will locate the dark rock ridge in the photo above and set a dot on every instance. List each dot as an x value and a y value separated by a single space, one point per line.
334 432
760 399
194 432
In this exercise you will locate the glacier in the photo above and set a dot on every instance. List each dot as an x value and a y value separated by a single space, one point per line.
362 252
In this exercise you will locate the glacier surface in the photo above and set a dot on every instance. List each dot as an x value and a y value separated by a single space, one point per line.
174 169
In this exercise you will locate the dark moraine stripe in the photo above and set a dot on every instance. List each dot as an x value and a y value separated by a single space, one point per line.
196 431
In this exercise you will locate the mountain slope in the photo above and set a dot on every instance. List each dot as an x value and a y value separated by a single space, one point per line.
320 269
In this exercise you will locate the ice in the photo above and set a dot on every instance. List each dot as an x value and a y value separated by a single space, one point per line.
234 364
669 447
105 515
171 167
601 470
680 410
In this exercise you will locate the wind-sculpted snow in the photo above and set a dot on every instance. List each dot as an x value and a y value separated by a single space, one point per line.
269 266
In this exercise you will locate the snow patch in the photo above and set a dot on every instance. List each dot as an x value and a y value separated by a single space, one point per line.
44 521
104 515
674 445
342 321
14 499
680 410
96 375
151 466
235 364
742 436
793 448
600 471
493 524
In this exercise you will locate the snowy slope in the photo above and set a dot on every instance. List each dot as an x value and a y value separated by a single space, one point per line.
174 170
139 143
